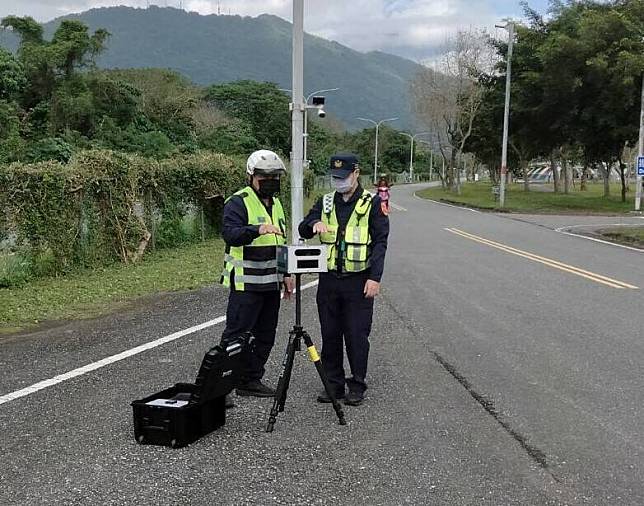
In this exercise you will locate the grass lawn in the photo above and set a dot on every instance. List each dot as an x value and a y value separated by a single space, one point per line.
590 201
88 293
625 235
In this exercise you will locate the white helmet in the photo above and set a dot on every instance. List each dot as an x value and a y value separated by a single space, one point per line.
265 162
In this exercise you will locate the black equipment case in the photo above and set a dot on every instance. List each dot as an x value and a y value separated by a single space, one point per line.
185 412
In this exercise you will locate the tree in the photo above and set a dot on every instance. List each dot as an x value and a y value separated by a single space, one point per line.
261 105
75 48
44 62
12 76
447 100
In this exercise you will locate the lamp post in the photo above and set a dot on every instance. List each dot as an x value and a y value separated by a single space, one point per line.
638 178
375 162
298 107
411 155
431 156
506 116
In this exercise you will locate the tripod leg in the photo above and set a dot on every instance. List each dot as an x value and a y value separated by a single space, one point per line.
315 358
287 373
283 382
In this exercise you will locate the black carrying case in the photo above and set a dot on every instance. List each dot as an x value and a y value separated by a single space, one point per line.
187 411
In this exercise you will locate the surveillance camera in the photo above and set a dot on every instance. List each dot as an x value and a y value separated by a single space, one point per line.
321 113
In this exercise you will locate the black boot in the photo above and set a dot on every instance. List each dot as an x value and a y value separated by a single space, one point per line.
354 398
325 399
255 388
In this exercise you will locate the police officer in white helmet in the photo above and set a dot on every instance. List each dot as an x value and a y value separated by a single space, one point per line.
254 225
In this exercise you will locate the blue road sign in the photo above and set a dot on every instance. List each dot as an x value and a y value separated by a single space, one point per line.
640 165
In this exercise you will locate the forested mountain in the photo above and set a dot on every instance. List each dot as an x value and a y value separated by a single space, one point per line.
214 49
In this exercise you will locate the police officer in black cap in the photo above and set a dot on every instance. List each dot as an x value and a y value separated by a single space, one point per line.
354 225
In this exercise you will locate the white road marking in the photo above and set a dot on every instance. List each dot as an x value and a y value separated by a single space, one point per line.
397 207
462 208
116 358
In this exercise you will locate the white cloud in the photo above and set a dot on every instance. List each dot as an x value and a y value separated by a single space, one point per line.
414 28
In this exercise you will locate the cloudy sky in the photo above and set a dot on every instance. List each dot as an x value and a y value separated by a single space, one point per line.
411 28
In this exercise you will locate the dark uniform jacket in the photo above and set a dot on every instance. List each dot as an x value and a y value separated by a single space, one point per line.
378 229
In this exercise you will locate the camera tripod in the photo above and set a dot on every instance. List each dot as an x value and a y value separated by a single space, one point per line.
296 336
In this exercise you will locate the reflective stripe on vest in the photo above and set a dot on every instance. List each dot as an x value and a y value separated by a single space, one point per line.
254 267
354 243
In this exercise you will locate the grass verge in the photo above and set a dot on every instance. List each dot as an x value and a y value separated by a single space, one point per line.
87 294
631 236
590 201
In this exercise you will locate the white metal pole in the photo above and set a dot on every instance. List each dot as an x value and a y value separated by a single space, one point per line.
297 119
411 161
431 163
375 162
305 155
506 116
638 179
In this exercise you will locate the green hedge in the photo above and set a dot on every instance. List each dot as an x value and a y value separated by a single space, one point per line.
105 206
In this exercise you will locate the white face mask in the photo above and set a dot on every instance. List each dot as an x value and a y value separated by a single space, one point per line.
343 185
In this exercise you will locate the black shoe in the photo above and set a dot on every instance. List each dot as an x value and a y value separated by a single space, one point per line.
229 401
325 399
354 398
255 388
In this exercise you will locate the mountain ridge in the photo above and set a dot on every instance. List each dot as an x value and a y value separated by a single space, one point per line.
220 48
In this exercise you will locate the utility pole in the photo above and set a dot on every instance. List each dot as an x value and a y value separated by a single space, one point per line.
375 161
411 154
298 108
506 116
431 157
639 179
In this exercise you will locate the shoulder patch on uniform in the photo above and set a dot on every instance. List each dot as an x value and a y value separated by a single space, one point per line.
327 203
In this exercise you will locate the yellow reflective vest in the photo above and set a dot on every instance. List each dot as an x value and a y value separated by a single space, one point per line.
352 243
254 267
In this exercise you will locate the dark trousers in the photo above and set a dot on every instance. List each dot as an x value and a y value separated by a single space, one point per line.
345 318
257 313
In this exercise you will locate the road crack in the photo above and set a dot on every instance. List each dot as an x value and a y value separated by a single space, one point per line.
535 454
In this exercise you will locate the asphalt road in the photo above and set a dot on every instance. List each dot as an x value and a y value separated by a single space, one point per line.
500 373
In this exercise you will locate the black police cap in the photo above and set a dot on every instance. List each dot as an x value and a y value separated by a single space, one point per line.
343 164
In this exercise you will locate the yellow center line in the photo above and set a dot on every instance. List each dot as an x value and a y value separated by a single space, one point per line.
561 264
598 278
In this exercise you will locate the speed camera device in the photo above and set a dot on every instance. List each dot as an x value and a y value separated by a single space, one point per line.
301 259
298 260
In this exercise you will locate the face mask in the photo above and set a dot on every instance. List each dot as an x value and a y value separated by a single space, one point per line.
268 188
343 185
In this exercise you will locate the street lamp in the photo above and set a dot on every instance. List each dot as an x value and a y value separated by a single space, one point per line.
506 115
411 155
431 156
375 162
298 107
638 178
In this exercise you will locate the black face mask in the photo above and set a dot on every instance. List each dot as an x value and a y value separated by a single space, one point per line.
268 188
